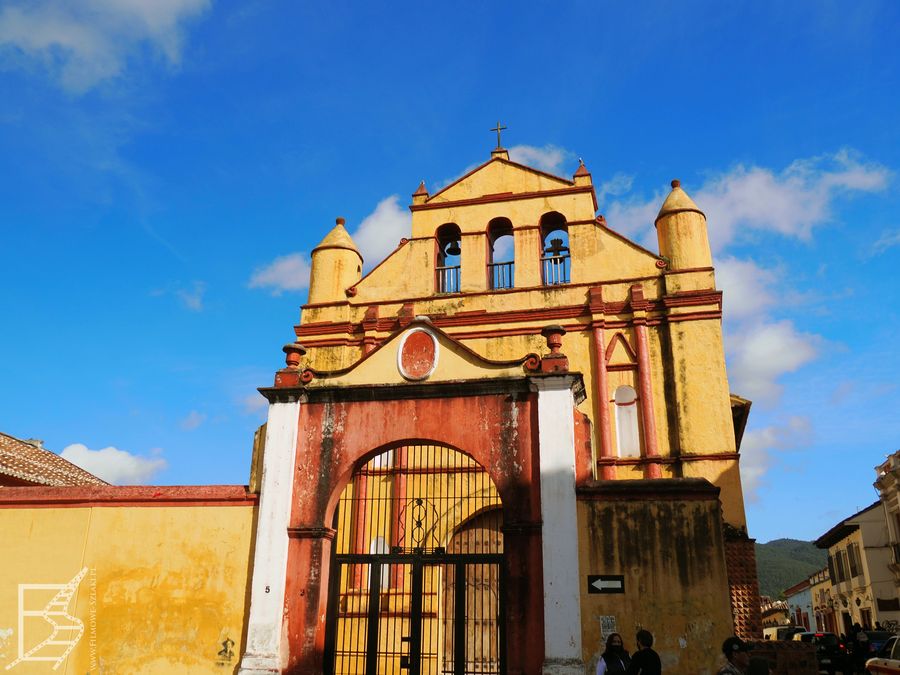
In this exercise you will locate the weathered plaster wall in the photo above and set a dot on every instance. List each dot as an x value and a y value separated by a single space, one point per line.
165 586
665 537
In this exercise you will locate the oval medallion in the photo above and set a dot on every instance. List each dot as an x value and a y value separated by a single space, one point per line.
417 357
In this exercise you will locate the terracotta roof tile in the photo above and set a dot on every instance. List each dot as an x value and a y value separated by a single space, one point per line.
28 462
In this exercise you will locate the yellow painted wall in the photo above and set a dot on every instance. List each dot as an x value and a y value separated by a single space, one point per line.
165 586
671 555
691 396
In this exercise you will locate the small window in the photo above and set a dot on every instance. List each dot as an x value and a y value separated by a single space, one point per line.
501 253
628 438
839 560
555 267
449 258
853 559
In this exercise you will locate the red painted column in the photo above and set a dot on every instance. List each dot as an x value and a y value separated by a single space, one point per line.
400 461
306 597
648 416
524 595
601 393
360 504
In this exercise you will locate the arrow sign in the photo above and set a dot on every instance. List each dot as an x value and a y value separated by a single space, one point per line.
606 583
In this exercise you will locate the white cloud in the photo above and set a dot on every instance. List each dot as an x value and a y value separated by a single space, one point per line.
759 447
286 273
760 353
746 287
791 202
380 232
549 158
619 184
85 43
760 350
886 241
113 465
192 297
193 420
634 217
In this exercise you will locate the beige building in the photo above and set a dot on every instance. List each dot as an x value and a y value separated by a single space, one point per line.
859 559
888 485
822 602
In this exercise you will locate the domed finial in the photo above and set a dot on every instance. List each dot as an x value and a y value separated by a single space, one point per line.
339 220
676 183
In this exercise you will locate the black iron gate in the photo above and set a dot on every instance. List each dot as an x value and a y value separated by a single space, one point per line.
417 576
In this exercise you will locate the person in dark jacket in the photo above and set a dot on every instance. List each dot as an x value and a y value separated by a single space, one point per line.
615 659
645 661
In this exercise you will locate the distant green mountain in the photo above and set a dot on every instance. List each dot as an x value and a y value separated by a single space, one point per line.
781 563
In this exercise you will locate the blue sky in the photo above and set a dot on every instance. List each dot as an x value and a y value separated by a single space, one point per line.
166 167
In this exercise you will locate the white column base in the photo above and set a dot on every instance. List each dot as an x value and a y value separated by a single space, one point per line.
563 667
252 664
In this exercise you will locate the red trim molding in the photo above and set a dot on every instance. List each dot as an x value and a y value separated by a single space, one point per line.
489 199
134 495
525 330
478 317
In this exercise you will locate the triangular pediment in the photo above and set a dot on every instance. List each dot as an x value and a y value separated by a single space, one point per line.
420 354
619 352
496 177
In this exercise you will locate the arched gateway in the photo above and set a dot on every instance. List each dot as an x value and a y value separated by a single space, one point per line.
401 520
417 574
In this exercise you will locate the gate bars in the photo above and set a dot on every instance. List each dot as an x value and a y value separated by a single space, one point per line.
417 582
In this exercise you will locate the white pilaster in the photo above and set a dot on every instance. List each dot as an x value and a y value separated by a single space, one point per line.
267 588
559 538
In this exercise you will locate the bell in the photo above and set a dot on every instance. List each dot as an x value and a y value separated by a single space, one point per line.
556 247
453 248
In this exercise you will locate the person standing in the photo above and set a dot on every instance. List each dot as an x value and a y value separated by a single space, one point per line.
615 660
737 655
645 661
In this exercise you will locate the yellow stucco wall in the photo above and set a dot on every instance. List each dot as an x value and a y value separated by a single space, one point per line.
671 555
165 587
687 365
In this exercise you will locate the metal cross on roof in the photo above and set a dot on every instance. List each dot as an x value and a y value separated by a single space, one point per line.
498 129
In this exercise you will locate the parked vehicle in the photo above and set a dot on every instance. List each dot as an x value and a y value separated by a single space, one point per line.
875 640
831 653
887 659
782 632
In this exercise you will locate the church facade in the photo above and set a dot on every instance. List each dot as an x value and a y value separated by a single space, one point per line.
510 438
512 435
